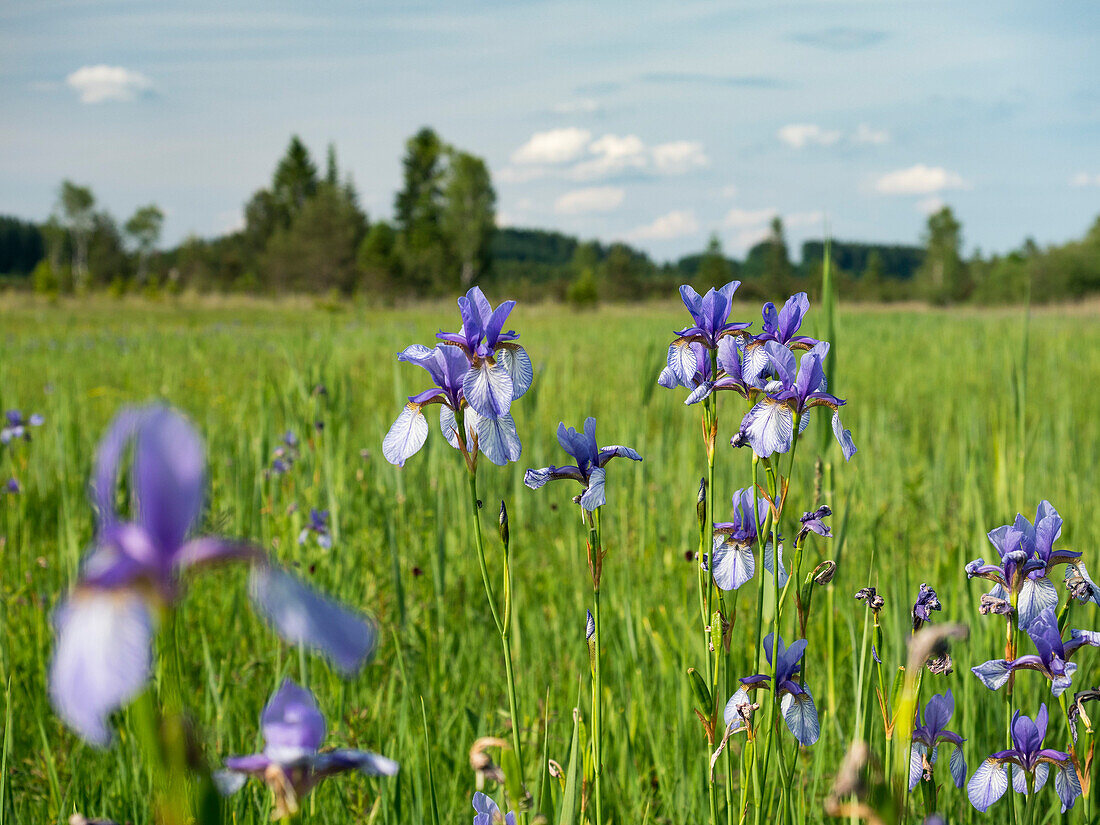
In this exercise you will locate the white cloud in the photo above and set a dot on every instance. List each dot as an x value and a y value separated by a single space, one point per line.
865 134
519 174
930 205
676 224
679 157
592 199
554 146
747 238
919 180
729 191
1084 179
799 135
583 106
746 218
613 154
99 84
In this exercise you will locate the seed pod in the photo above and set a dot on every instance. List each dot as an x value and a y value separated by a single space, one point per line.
824 572
504 525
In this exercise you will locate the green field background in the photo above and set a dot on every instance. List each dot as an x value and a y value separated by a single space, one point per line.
933 398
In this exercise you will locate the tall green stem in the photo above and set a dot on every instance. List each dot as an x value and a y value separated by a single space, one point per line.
595 542
503 624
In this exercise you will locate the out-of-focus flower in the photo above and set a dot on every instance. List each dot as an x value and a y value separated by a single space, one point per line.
589 469
795 700
769 426
134 572
291 763
19 427
12 486
318 526
927 738
1027 756
1052 659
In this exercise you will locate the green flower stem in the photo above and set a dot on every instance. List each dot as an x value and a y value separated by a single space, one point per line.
595 541
503 624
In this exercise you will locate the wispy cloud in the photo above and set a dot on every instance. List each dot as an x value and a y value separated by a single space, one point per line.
866 135
679 157
738 218
612 155
676 224
842 38
1082 179
930 205
919 180
572 154
746 81
798 135
102 83
584 106
592 199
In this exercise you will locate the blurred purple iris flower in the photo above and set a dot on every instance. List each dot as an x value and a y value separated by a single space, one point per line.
18 427
12 486
1052 659
1027 556
1028 756
780 327
318 526
733 559
448 367
769 426
928 736
795 700
487 812
589 469
500 369
291 762
133 573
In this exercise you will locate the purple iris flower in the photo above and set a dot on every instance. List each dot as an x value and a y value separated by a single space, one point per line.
1027 556
1052 659
104 629
730 375
813 522
780 327
769 426
589 469
318 526
990 780
733 552
928 736
500 369
18 426
291 762
711 315
495 437
12 486
488 813
795 700
927 601
688 366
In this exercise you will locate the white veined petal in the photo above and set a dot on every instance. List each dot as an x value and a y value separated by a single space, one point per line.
102 658
958 766
1067 785
801 716
497 439
732 564
488 389
769 561
917 750
448 423
406 436
769 427
987 785
1036 595
682 362
730 715
228 782
517 362
593 497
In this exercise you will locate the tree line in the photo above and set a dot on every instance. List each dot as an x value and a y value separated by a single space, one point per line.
305 232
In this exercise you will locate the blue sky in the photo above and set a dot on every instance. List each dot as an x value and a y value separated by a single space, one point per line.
657 123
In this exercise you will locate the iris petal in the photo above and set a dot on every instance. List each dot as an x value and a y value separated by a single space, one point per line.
987 785
801 716
406 436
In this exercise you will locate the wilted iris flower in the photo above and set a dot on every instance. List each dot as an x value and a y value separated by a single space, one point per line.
589 469
1027 556
927 601
318 526
18 427
1080 583
500 369
133 573
291 763
795 700
928 736
990 780
813 522
495 437
1052 659
487 812
769 426
733 556
780 327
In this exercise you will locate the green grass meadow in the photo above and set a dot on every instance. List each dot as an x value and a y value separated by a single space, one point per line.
934 400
